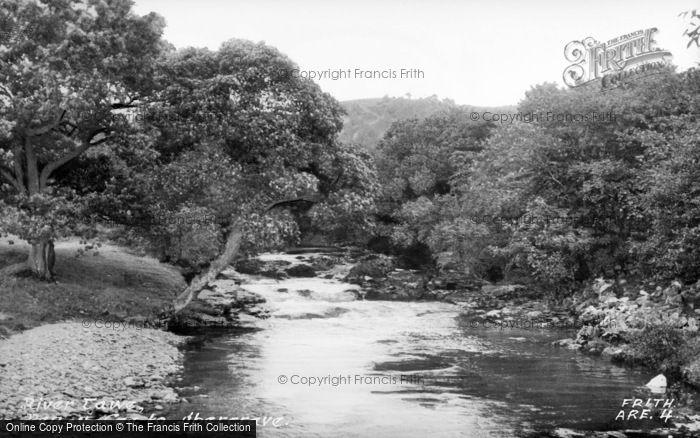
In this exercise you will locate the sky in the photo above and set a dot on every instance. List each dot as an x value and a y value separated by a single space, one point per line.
484 53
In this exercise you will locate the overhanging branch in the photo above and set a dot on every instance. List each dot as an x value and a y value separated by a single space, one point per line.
41 130
233 243
52 166
276 204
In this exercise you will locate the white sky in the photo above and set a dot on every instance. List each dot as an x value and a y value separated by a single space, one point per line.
475 52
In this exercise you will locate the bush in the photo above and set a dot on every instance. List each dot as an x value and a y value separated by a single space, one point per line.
662 348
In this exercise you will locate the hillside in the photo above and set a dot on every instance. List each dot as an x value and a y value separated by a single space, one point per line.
368 119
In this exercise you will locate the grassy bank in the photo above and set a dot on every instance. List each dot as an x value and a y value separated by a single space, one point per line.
113 285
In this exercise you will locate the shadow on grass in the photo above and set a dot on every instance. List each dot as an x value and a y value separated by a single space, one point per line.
112 286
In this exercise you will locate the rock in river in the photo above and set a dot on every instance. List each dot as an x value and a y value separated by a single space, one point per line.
657 385
301 270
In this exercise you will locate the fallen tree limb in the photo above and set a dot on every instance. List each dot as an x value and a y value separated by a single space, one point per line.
233 244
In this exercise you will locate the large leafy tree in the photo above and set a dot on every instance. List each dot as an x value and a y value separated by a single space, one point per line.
600 183
490 192
603 171
669 245
67 67
236 139
416 161
415 156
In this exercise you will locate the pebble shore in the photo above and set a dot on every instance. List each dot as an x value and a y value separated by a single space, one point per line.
76 370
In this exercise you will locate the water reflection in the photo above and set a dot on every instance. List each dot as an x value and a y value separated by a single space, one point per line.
457 381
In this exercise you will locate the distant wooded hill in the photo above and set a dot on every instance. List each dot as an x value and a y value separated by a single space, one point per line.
368 119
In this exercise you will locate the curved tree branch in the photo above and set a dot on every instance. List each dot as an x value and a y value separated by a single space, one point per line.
52 166
284 202
43 129
8 176
233 244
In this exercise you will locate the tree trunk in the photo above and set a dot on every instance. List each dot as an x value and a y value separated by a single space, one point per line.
41 259
233 244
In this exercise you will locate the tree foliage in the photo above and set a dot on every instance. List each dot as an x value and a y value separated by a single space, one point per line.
104 124
612 191
232 133
68 65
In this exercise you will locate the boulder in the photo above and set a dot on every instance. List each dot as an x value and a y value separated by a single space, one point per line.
691 372
601 285
325 263
452 280
581 306
231 274
509 311
266 268
246 298
616 354
301 270
249 266
591 315
503 291
587 333
449 296
691 296
672 295
274 273
596 346
657 385
610 301
220 307
372 294
374 266
220 297
561 432
399 285
567 343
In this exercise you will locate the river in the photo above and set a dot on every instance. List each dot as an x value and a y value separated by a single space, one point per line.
394 369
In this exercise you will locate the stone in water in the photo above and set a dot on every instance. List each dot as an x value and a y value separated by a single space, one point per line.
657 385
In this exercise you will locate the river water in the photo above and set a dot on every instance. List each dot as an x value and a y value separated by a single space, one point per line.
394 369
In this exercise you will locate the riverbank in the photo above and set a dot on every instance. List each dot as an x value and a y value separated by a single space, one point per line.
77 370
87 345
470 379
616 320
105 355
643 323
108 283
651 332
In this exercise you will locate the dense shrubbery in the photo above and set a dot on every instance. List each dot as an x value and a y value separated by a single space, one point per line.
563 201
662 348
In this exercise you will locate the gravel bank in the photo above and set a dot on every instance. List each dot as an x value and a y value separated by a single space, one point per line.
68 370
